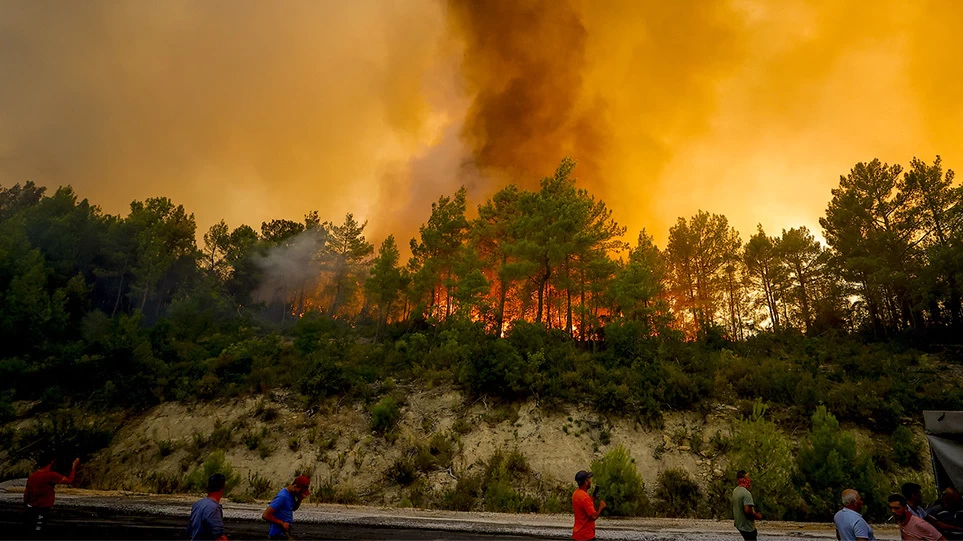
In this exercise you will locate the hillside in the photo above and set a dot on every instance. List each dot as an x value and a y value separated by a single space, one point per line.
438 438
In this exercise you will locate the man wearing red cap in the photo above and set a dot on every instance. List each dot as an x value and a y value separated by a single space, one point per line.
280 513
583 507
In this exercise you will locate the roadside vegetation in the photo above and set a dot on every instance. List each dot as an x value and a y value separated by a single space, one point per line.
535 298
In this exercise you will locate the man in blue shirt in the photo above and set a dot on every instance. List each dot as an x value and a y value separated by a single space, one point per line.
850 525
280 513
207 517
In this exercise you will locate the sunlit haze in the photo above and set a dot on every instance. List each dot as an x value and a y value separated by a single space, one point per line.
252 110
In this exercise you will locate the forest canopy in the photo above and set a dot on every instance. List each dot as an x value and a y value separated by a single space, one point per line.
512 299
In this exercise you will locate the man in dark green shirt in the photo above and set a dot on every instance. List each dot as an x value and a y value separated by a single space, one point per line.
743 508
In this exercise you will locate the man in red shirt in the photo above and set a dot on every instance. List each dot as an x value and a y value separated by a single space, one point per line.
583 507
38 495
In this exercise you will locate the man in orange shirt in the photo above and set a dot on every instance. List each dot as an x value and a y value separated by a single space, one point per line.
583 507
38 495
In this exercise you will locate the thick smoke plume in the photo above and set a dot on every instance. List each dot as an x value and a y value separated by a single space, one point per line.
249 111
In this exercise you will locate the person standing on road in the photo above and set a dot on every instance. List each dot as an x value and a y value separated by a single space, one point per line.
280 513
914 504
207 516
912 527
744 512
850 524
39 494
583 507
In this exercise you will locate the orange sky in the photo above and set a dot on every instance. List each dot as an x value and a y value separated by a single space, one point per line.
249 110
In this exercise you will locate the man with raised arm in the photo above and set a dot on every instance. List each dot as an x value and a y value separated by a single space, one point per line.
39 494
583 506
280 513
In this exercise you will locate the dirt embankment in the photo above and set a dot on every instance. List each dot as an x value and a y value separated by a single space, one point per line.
268 440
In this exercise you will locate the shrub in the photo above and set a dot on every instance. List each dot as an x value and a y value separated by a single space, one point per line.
196 481
253 439
442 447
166 447
258 486
677 495
620 483
464 495
402 471
907 449
220 438
761 449
830 459
385 415
719 444
164 483
68 432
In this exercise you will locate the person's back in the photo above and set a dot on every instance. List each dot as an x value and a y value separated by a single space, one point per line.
40 490
207 518
204 514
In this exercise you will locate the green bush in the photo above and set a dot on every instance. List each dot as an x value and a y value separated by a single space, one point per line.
676 494
67 432
385 415
620 484
465 494
907 448
258 486
402 471
196 480
165 447
830 460
760 448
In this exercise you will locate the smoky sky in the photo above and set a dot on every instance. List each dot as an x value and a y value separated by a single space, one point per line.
249 110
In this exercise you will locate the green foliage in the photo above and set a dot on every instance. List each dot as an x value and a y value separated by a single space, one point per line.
621 486
196 480
385 415
907 448
676 494
259 487
829 461
758 447
498 488
66 432
402 471
166 447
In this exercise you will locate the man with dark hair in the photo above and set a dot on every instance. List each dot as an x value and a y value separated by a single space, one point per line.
914 499
583 507
914 502
948 513
280 513
39 494
911 527
744 512
207 516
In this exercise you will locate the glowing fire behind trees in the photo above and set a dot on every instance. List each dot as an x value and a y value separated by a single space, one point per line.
556 257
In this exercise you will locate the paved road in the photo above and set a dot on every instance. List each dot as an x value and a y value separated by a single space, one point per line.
80 516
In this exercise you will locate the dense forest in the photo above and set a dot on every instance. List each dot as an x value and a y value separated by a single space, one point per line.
536 295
